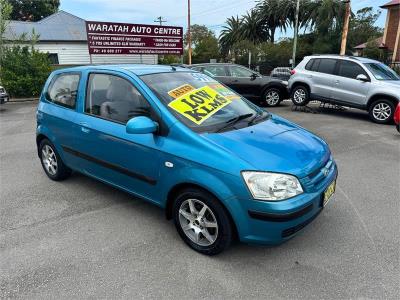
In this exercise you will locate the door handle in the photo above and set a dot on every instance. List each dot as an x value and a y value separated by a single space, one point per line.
337 81
84 127
235 80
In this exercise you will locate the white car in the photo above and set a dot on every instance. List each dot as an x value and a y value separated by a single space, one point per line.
3 95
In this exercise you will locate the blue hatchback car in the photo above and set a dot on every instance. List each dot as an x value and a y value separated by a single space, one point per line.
220 166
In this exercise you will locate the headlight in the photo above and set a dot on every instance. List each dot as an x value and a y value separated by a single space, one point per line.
272 186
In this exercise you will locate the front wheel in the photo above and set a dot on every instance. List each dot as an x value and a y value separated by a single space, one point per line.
300 96
202 222
381 111
271 97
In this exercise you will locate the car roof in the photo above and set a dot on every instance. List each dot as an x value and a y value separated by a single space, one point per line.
137 69
345 57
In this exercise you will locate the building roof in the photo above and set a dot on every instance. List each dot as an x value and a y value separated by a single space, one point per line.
378 41
61 26
391 3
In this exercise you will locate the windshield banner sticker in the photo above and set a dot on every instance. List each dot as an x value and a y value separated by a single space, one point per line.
200 104
180 90
224 91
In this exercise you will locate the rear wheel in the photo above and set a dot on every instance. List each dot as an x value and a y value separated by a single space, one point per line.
202 222
381 111
300 95
51 161
271 97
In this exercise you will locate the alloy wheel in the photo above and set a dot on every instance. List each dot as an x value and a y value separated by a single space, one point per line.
299 96
49 160
382 111
272 98
198 222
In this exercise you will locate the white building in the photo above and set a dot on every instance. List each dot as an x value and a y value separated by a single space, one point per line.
63 36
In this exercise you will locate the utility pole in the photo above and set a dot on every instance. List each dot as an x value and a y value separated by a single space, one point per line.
160 20
296 32
189 36
345 28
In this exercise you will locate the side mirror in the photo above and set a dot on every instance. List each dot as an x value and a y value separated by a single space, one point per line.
141 125
253 76
362 77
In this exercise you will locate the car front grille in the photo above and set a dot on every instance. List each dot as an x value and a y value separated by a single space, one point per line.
316 178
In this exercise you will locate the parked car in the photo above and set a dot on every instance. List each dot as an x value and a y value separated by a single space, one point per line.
283 73
263 90
349 81
219 165
396 117
3 95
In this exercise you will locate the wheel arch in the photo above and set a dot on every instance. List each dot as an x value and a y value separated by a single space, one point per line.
375 97
300 83
178 188
39 138
277 85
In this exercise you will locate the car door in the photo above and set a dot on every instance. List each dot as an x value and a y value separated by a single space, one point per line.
106 150
57 112
322 78
346 86
218 72
244 81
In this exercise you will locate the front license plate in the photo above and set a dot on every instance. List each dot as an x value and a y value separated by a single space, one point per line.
329 192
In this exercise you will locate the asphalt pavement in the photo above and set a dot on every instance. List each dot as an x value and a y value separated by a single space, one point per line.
83 239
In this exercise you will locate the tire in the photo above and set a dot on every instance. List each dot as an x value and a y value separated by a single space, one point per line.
381 111
300 95
271 97
190 222
51 162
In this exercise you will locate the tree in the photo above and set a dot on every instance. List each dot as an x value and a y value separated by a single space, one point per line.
5 12
24 70
204 43
230 34
272 16
252 27
362 27
33 10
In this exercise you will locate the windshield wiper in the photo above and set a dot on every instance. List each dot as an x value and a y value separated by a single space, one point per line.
234 120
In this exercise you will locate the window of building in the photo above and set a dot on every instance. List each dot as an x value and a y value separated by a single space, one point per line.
53 57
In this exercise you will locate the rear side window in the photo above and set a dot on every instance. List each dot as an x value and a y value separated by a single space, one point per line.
63 90
350 69
214 71
327 65
309 65
313 64
114 98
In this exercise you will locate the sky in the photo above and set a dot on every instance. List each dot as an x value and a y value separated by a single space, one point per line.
212 13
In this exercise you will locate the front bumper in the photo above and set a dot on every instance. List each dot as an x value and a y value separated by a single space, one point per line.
275 222
3 98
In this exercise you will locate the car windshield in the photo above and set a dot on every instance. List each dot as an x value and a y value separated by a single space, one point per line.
382 72
202 103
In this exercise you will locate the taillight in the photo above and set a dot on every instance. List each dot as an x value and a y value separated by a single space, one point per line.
292 72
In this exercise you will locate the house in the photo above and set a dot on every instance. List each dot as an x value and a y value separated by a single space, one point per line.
390 41
63 36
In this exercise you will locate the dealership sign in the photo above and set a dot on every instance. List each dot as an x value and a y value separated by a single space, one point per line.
121 38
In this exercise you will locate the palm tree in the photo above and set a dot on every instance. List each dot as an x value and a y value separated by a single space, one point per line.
272 15
326 15
231 33
253 28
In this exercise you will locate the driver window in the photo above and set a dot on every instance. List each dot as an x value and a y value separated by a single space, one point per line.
240 72
114 98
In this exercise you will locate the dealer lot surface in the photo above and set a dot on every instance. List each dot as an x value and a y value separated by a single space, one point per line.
80 238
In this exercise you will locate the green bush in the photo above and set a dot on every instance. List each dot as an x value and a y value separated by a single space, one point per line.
24 71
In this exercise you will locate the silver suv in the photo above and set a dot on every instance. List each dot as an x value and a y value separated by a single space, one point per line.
349 81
